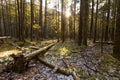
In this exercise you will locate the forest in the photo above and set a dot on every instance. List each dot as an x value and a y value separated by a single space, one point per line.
59 39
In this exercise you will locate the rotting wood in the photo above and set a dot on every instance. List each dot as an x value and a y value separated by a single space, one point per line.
19 64
65 63
21 48
34 47
4 39
41 50
104 42
13 44
60 70
21 61
95 70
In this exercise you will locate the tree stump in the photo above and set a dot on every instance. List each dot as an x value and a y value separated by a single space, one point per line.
19 64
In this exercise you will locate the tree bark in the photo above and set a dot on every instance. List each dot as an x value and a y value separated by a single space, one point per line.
108 21
74 19
114 20
37 52
45 21
85 21
96 21
3 19
60 70
20 19
58 23
32 20
0 21
40 19
80 24
62 22
22 60
92 20
116 50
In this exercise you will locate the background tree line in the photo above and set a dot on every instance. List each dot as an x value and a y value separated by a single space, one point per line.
93 20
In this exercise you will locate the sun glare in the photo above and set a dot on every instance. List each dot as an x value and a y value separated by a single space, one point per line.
68 14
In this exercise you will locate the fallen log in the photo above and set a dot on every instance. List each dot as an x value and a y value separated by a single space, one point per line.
37 52
60 70
4 39
13 44
34 47
22 48
21 61
104 42
44 50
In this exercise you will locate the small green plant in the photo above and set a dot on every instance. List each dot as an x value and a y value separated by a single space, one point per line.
20 43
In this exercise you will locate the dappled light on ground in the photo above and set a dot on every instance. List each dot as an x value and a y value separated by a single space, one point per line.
88 63
7 53
5 47
63 51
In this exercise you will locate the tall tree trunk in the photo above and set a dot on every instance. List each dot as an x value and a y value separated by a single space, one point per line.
16 21
108 20
80 24
58 22
32 19
102 30
74 19
45 21
114 20
40 19
20 19
96 21
92 20
0 21
62 22
3 18
85 21
70 27
23 20
11 28
116 50
18 11
7 19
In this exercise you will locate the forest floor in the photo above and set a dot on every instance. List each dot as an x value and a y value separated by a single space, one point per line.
87 62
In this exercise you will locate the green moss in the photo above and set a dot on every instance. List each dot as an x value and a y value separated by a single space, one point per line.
5 47
96 77
116 52
31 42
117 56
20 43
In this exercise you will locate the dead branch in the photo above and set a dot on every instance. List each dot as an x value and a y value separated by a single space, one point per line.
37 52
13 44
34 47
60 70
21 61
104 42
65 63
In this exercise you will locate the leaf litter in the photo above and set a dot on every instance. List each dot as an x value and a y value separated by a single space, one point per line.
87 62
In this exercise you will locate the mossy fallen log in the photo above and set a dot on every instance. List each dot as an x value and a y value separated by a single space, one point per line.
39 52
15 45
4 39
60 70
21 61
